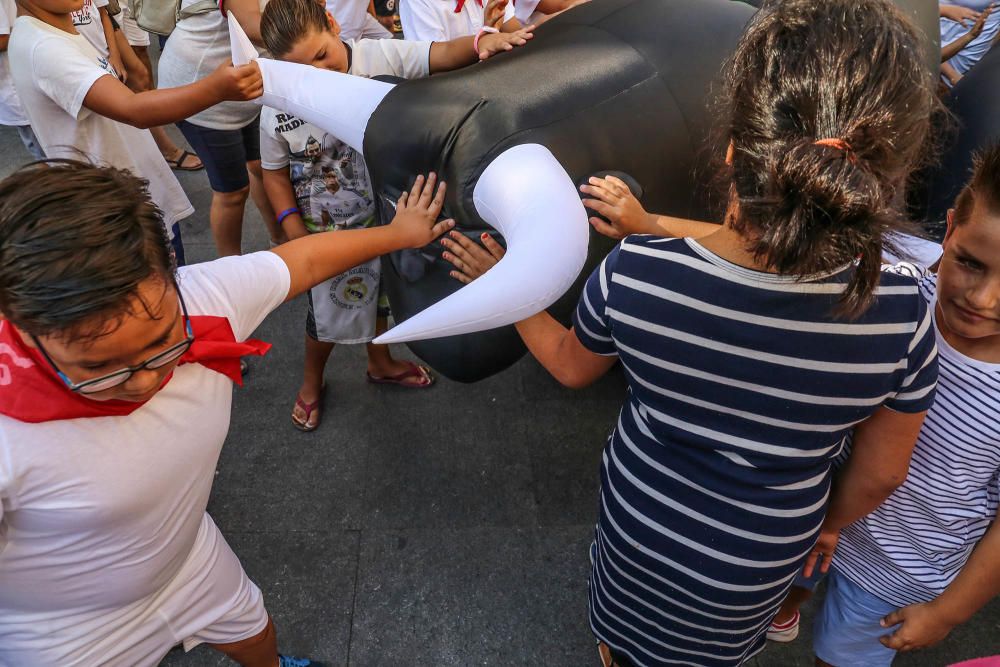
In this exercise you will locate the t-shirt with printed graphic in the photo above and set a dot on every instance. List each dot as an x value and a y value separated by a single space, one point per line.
330 179
53 71
87 21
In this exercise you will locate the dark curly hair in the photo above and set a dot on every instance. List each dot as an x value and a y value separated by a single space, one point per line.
76 240
805 71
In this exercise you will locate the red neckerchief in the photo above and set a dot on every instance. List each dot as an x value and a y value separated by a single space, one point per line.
461 3
30 390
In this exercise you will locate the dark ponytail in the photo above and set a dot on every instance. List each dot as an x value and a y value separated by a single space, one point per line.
830 108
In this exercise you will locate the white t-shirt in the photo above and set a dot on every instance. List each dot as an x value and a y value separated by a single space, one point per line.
330 178
355 21
87 22
11 112
53 72
436 20
96 514
196 47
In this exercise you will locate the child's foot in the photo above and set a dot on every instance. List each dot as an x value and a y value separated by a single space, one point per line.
403 373
306 413
183 160
288 661
784 632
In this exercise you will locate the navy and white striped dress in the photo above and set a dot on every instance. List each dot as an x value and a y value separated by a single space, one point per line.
914 545
714 483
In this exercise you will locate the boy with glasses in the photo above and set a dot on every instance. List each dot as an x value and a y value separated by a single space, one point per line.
116 374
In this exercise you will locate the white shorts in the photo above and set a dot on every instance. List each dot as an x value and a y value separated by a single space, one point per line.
135 35
210 600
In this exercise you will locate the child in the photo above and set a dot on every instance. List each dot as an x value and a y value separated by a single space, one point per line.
440 20
77 106
226 136
11 112
925 560
332 183
752 352
118 384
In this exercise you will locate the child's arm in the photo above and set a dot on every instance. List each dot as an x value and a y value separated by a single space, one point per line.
557 348
139 76
878 464
922 625
446 56
321 256
950 73
110 97
247 13
614 200
114 55
951 50
278 187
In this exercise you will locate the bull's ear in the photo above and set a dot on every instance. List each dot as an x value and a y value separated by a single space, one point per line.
530 199
242 48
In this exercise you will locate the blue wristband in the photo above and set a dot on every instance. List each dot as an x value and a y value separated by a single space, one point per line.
287 212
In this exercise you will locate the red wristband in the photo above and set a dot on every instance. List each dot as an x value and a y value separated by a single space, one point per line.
482 31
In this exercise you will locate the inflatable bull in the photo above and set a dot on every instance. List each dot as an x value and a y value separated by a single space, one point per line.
618 85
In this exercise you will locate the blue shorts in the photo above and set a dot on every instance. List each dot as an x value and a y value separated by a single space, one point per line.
847 630
225 153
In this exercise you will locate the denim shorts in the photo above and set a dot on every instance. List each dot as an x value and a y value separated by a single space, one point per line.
846 632
225 153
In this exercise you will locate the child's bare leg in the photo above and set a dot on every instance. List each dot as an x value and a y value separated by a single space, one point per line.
796 597
226 218
263 204
317 354
261 650
380 361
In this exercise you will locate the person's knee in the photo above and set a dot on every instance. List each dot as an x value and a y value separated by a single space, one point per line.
232 198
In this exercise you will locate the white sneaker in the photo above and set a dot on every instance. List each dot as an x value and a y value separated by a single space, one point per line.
784 632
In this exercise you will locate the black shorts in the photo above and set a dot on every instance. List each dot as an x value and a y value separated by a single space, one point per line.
225 153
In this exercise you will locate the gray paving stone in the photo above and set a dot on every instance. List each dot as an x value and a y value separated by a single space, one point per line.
486 596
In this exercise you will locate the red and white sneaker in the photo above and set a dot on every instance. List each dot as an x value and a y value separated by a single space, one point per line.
784 632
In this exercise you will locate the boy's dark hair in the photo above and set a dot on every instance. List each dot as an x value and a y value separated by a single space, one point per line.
805 71
285 22
983 187
76 240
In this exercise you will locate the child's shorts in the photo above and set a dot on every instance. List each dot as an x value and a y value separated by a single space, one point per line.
846 632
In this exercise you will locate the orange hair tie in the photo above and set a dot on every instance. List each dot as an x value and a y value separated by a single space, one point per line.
840 145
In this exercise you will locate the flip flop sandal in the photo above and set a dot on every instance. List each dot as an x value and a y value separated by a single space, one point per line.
178 164
308 409
400 379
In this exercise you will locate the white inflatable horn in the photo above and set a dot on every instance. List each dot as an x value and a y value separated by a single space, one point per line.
524 193
527 196
339 103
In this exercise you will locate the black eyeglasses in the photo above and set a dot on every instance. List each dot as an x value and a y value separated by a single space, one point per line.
119 377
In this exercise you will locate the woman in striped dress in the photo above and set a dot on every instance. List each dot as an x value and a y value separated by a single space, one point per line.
752 352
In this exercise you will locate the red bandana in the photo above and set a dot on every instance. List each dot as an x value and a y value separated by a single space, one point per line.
459 4
30 390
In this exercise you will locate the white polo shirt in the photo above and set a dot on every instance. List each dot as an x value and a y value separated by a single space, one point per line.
436 20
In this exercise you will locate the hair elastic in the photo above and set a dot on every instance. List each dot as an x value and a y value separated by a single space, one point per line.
840 145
